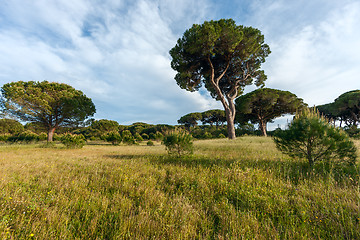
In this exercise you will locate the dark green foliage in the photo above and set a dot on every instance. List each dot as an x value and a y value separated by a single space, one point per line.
26 137
113 137
49 103
345 108
73 140
221 136
191 119
246 129
150 143
145 136
138 137
223 57
10 126
35 127
127 137
264 105
353 131
178 142
311 137
208 132
215 116
101 127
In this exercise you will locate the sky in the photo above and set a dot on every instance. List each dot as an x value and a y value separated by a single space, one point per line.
117 51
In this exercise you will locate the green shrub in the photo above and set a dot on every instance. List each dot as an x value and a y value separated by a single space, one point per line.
42 136
113 137
26 136
159 136
73 140
221 135
138 138
150 143
311 137
128 138
178 142
4 137
207 135
145 136
152 136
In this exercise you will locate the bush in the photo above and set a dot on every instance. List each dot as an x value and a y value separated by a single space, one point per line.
311 137
138 138
26 136
145 136
150 143
4 137
113 137
178 142
73 140
42 136
128 137
221 135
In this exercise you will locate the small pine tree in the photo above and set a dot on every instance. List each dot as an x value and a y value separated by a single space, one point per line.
310 136
178 142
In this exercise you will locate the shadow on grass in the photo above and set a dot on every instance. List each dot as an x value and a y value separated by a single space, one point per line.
286 169
289 170
191 161
127 156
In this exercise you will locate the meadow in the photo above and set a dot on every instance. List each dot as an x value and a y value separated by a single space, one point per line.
242 189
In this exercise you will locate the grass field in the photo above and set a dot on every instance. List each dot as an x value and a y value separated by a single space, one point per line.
242 189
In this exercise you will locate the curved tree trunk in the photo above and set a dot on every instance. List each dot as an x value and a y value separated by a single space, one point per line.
262 126
227 103
51 134
230 126
230 118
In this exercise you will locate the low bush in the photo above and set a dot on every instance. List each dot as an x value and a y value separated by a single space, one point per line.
150 143
113 137
25 137
73 140
178 142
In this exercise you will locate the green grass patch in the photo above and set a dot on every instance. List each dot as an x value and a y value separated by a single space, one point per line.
227 190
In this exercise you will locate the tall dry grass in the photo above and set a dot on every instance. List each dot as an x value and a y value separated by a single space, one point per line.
228 190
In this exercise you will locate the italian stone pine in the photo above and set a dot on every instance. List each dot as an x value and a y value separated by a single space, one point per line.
223 57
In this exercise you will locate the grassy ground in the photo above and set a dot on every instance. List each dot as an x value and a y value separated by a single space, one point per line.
243 189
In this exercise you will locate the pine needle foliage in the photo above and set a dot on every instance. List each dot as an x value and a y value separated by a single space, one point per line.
178 142
311 137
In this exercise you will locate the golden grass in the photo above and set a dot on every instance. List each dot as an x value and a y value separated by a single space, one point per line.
228 190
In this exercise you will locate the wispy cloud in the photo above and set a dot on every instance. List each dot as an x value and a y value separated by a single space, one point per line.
320 61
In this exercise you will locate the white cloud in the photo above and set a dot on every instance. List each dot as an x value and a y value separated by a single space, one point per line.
116 53
321 61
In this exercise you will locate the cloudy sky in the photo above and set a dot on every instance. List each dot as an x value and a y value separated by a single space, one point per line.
117 51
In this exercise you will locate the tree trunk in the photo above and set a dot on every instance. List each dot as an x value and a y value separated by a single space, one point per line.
51 134
262 126
230 124
229 105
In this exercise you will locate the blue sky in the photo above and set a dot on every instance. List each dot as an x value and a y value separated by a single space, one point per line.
116 51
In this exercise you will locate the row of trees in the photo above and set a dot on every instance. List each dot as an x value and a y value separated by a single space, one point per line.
213 117
257 107
345 109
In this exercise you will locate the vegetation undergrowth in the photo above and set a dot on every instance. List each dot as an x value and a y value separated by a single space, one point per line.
226 190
